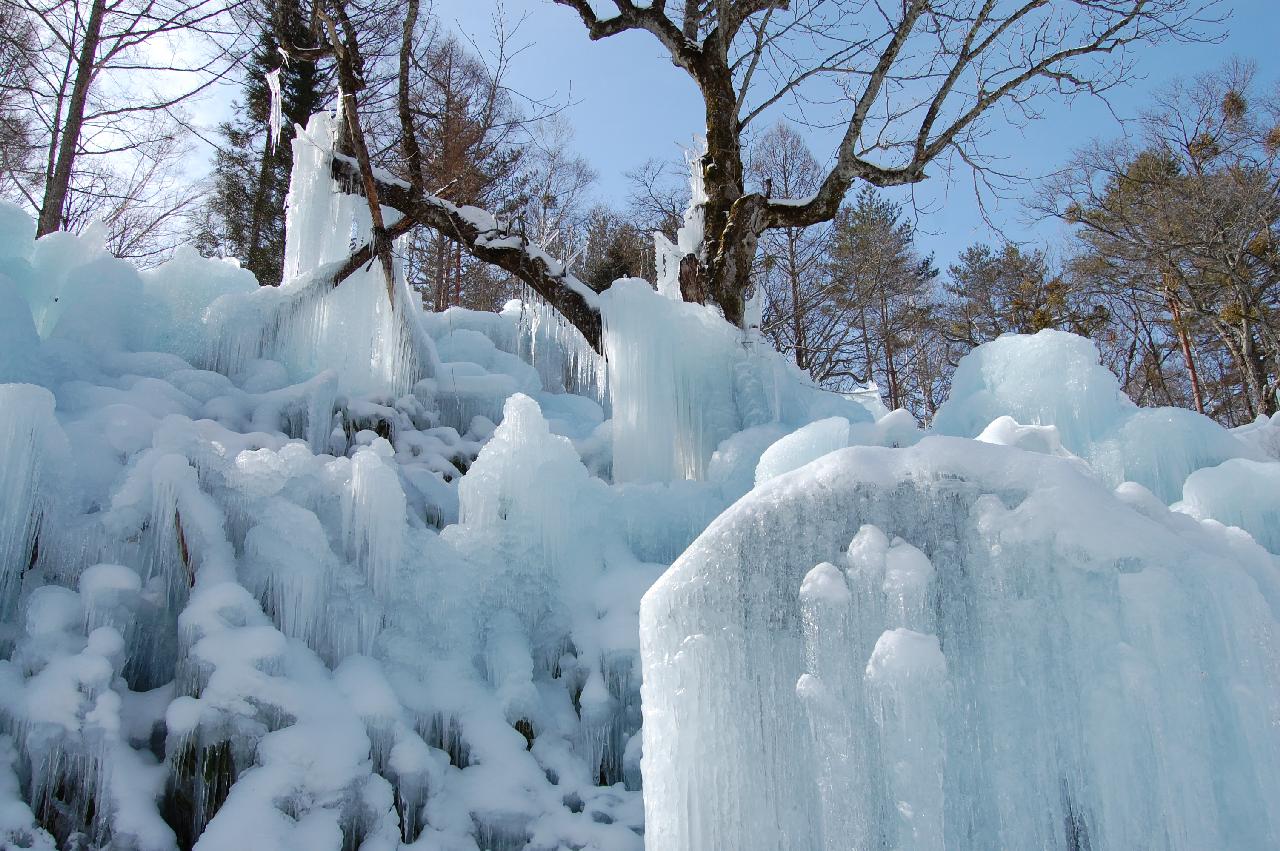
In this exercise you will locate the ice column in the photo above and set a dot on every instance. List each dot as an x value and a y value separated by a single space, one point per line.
831 692
906 685
26 424
374 516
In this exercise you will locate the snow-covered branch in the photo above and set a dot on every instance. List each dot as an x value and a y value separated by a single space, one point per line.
486 238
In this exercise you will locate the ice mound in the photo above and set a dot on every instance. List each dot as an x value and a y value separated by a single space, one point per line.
992 644
1053 378
1239 493
802 446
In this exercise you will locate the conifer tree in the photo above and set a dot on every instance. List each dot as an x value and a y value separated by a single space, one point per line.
244 217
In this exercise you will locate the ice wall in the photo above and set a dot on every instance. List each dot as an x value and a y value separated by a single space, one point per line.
993 644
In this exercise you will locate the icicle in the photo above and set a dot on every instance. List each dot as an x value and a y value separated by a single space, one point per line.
168 552
373 517
109 595
596 708
320 404
563 357
275 118
27 425
666 257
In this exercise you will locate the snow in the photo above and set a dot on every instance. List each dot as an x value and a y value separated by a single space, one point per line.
303 567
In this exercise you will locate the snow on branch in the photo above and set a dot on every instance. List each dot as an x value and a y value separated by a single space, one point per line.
485 238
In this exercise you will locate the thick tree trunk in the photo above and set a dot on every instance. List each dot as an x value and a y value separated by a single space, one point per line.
56 188
733 220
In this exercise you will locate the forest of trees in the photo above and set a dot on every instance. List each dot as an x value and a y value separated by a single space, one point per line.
1170 259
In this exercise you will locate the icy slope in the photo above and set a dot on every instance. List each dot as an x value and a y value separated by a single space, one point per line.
301 568
963 645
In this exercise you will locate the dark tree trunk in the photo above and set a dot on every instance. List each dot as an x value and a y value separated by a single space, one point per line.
54 202
260 197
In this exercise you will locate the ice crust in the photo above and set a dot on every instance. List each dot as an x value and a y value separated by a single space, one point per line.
299 567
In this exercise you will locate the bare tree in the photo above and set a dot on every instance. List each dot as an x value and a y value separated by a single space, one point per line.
922 79
791 262
18 60
146 207
922 76
658 197
555 181
107 73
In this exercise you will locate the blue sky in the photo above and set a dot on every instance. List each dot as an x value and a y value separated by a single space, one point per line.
628 103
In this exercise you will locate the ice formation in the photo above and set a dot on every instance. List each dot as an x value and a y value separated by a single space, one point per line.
303 567
993 644
1155 447
682 381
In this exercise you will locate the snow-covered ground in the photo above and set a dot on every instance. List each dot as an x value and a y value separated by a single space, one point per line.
296 568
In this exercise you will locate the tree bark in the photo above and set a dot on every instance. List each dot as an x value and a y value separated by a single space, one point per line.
54 202
1185 345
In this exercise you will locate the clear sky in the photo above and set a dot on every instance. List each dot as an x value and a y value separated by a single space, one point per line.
628 103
